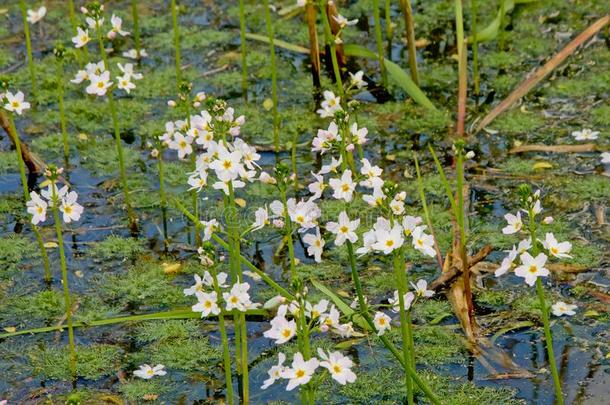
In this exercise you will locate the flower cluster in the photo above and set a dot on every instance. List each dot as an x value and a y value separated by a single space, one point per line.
14 102
531 267
99 78
51 197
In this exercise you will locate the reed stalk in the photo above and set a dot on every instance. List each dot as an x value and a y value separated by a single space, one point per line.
410 32
379 40
28 46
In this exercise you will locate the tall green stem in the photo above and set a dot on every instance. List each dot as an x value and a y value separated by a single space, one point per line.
330 43
244 55
545 315
28 45
501 27
475 46
117 135
388 26
424 204
459 26
276 117
26 196
64 281
162 195
62 112
405 324
176 43
379 40
364 311
136 26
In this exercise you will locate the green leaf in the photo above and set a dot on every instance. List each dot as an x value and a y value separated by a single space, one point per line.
343 307
396 73
278 42
491 31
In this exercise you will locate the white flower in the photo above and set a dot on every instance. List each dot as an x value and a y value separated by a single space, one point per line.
388 239
181 143
372 174
99 84
127 70
301 3
423 242
531 268
70 208
325 137
281 329
605 157
359 134
507 262
410 223
91 23
339 366
267 178
303 213
344 229
36 15
300 372
208 228
317 187
238 298
421 289
198 180
381 322
329 320
561 308
470 155
345 330
315 245
555 248
330 105
15 102
344 187
514 224
147 372
197 287
332 167
248 153
357 80
37 207
397 207
208 304
261 218
275 372
524 245
117 27
133 54
407 298
227 163
318 309
548 220
124 83
53 191
82 37
585 135
343 22
375 199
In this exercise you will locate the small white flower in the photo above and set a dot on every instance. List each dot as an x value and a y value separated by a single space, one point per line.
133 54
315 245
70 208
387 240
147 372
470 155
359 133
15 102
344 22
36 15
282 330
548 220
127 70
82 37
124 83
37 207
300 372
338 365
357 79
407 298
330 105
555 248
605 157
531 268
343 188
421 289
99 84
507 262
585 135
275 372
514 224
117 27
183 144
423 242
382 323
561 308
344 229
524 245
208 228
208 303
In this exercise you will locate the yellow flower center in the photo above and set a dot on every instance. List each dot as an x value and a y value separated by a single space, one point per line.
15 104
389 243
344 229
345 188
300 373
182 144
286 333
68 209
554 250
533 269
227 164
337 369
381 321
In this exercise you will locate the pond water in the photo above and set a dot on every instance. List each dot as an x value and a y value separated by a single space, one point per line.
113 273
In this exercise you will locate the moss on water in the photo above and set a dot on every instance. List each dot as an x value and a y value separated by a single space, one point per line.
117 248
601 115
515 122
14 250
192 39
8 162
190 354
148 332
93 361
99 156
44 305
139 391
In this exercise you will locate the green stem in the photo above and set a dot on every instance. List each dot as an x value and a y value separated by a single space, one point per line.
379 40
405 324
364 311
501 27
136 26
162 195
62 112
459 26
388 26
28 45
26 196
117 135
545 315
410 32
475 46
330 43
424 203
276 117
64 282
244 55
176 43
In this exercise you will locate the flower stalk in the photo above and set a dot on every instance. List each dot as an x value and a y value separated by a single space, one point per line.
28 45
26 196
379 40
274 97
410 33
136 27
244 55
331 44
178 60
59 54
